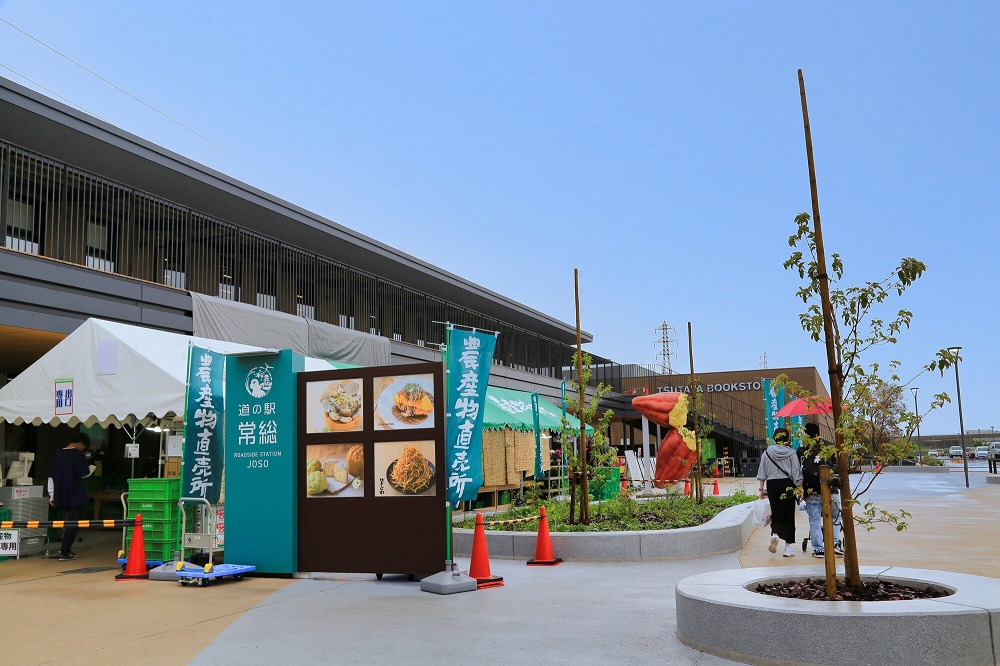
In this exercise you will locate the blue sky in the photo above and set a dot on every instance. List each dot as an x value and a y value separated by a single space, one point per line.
657 147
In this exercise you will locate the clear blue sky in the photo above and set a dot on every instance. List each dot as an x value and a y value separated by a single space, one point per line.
655 146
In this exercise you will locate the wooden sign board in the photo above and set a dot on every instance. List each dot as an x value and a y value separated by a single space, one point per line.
371 489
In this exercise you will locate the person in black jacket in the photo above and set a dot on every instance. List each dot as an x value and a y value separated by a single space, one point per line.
811 461
67 489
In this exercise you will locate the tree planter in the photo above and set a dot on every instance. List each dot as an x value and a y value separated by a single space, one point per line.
718 612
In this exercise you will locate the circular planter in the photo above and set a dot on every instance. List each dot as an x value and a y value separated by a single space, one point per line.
718 613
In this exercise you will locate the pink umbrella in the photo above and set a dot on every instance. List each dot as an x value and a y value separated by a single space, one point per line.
806 406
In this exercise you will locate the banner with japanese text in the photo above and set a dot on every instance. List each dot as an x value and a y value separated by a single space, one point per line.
468 358
203 451
774 399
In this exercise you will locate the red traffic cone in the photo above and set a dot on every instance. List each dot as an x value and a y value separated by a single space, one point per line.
543 546
135 565
687 487
479 567
715 487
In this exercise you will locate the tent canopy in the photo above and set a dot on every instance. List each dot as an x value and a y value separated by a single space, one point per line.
119 374
507 408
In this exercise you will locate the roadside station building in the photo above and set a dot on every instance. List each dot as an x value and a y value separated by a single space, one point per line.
102 223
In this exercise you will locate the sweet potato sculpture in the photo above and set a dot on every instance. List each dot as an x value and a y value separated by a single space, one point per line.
676 454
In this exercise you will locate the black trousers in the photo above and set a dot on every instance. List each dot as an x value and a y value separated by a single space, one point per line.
781 495
69 533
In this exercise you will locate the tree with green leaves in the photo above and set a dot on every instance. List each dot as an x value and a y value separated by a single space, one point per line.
591 453
869 414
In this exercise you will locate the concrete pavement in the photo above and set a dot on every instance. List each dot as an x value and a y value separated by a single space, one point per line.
589 612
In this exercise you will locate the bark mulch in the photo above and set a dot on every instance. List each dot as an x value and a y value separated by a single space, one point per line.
814 589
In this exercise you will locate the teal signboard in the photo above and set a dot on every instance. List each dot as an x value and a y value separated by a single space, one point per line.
261 454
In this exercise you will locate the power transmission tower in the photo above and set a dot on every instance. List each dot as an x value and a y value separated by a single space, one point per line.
665 343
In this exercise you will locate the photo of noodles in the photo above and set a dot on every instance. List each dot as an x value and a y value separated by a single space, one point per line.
411 473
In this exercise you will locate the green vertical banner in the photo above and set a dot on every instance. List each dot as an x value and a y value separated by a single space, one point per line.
467 372
261 453
797 426
538 436
201 474
774 399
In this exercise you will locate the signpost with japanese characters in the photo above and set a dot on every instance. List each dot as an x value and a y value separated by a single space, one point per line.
201 474
261 453
469 356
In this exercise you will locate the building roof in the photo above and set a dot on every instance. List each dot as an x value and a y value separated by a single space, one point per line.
43 125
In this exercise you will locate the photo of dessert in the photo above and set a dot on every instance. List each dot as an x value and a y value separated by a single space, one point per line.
335 470
408 469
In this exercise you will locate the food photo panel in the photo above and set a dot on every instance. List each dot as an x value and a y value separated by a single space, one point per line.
405 469
403 402
334 406
335 470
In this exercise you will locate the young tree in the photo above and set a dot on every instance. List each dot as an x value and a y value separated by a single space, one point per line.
594 452
871 413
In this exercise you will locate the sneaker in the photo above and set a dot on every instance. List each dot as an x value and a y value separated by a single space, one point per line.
838 549
66 557
818 553
789 551
774 544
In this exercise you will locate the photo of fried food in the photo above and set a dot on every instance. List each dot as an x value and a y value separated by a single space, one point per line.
412 404
411 473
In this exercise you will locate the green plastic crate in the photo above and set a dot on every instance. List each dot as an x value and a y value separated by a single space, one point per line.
157 549
160 530
154 489
153 511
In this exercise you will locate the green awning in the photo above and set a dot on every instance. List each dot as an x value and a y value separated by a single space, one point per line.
507 408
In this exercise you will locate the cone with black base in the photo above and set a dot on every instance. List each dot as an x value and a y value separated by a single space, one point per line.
135 565
543 546
479 567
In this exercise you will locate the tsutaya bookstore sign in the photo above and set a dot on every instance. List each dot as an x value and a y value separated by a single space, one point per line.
722 387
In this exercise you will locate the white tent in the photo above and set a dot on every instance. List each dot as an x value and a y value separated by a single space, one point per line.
119 375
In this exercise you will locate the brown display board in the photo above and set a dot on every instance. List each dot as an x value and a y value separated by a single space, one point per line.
371 444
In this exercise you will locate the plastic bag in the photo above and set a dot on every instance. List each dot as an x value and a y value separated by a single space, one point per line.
761 513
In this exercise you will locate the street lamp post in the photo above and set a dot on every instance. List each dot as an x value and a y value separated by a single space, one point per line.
916 412
961 423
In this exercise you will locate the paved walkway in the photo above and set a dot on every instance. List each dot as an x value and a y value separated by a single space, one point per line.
593 613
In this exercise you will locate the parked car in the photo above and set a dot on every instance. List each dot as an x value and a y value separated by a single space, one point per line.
994 448
982 452
935 453
955 452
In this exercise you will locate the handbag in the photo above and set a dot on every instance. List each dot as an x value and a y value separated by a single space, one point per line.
761 513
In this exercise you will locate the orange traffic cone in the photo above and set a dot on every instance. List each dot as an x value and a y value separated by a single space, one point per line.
479 567
135 565
543 546
715 487
687 487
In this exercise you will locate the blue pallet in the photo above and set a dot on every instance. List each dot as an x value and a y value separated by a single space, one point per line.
197 574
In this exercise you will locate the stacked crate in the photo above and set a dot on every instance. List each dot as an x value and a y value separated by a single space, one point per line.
156 500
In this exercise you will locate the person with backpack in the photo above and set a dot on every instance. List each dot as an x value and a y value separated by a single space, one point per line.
811 461
781 474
